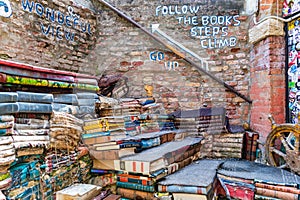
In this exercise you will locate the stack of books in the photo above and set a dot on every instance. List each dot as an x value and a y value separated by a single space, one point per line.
127 106
132 125
25 173
7 157
286 188
102 130
153 164
63 168
242 179
165 122
148 123
31 134
223 145
86 103
195 181
104 108
67 103
202 121
65 131
186 124
211 123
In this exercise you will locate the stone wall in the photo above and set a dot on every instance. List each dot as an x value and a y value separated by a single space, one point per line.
114 46
126 50
55 34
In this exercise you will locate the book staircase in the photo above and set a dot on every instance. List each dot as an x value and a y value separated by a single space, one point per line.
60 140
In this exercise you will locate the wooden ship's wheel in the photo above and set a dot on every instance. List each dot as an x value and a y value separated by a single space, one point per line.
282 146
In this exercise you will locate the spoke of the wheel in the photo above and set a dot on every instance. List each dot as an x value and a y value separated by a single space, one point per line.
284 142
282 166
278 152
296 143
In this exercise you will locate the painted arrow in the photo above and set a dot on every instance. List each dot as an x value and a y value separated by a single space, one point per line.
155 28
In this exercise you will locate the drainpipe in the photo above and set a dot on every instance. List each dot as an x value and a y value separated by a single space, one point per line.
178 53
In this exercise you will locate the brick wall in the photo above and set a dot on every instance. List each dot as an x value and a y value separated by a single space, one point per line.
125 49
36 34
268 74
115 46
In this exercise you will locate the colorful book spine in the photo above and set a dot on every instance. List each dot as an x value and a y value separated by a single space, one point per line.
182 189
134 194
143 180
130 144
96 134
278 188
148 143
11 79
277 194
134 186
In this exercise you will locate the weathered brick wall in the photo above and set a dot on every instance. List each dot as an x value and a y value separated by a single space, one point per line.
268 70
44 33
125 49
268 84
116 46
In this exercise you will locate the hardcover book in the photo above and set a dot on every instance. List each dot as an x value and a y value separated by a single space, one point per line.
156 158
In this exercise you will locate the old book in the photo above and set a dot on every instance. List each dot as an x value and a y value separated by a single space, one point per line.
277 194
111 154
35 97
135 194
143 180
9 108
65 99
250 145
104 164
196 178
6 97
185 196
7 118
238 190
78 192
281 188
112 197
25 107
136 186
154 159
118 145
98 138
262 197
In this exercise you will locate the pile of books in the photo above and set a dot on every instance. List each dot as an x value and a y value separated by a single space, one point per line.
127 106
31 134
242 179
86 103
67 103
223 145
101 130
104 108
25 178
202 121
7 157
153 164
63 168
195 181
65 131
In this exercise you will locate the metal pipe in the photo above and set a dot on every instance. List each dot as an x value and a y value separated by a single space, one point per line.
191 62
